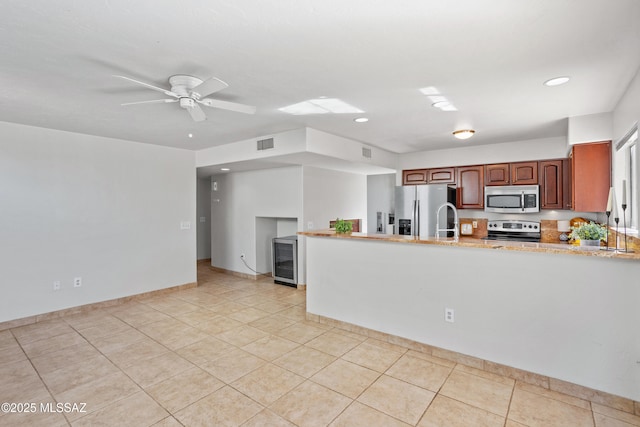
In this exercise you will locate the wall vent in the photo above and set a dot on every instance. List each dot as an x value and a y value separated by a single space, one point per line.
366 152
265 144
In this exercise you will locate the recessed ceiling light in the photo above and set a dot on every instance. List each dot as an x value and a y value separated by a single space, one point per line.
464 133
225 169
557 81
361 120
190 135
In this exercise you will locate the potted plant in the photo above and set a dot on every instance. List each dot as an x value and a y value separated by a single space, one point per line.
589 234
343 227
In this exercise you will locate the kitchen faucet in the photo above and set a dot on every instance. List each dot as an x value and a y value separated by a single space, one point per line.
455 221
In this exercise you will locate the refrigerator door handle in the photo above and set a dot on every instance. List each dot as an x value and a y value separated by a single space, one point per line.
416 218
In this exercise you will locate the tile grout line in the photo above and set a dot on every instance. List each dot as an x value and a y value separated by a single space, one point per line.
38 373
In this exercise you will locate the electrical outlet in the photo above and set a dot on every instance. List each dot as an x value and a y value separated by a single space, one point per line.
77 282
185 225
310 225
56 285
475 224
449 315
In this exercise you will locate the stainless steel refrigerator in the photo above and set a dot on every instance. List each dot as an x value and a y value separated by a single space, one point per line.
416 207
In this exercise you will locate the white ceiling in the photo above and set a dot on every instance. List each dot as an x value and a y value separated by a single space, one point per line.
489 57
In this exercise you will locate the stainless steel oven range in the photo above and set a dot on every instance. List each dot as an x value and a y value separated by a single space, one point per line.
525 231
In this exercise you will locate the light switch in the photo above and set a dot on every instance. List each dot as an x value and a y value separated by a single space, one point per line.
203 219
185 225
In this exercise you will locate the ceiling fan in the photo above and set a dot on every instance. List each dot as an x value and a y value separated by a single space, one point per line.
191 92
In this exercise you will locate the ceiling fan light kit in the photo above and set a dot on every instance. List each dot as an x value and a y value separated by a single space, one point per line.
464 133
190 92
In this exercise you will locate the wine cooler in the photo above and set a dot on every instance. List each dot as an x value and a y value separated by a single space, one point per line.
285 260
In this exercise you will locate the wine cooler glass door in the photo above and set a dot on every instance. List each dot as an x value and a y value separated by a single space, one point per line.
284 261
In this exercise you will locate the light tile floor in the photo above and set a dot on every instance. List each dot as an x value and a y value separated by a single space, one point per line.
237 352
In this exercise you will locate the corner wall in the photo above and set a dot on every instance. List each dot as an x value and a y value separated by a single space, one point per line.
203 220
240 198
106 210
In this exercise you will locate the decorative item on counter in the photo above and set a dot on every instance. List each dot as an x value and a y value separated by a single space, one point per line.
576 222
610 204
624 216
343 227
563 228
589 234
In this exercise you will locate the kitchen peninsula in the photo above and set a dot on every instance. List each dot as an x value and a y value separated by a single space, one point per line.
563 315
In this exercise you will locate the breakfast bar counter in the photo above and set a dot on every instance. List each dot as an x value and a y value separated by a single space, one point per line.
557 311
469 242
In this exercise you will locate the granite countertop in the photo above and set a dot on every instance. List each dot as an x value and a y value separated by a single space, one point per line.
470 242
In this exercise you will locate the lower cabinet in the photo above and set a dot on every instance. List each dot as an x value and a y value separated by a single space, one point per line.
470 191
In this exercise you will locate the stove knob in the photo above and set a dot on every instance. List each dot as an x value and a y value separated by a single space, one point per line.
535 226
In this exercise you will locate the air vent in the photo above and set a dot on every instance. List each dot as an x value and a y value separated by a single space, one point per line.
366 152
265 144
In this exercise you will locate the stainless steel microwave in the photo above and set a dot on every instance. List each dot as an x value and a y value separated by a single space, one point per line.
512 199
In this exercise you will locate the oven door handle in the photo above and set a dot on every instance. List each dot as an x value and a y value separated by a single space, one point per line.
522 201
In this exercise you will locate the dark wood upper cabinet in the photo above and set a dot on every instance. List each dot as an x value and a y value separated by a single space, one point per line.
590 176
550 175
524 173
414 176
470 191
567 190
441 176
496 174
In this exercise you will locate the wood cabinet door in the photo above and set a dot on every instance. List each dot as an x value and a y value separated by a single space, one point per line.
567 190
414 176
470 192
550 174
524 173
496 174
591 176
441 176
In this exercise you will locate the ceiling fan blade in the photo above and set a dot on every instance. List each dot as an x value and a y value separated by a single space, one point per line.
208 87
155 101
159 89
226 105
196 113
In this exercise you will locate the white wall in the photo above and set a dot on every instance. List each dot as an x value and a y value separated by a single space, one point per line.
590 128
203 208
625 116
241 198
380 198
284 143
554 319
347 149
106 210
330 194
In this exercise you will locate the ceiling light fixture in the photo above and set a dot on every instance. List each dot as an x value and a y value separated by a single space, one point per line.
464 133
557 81
190 135
225 169
361 120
